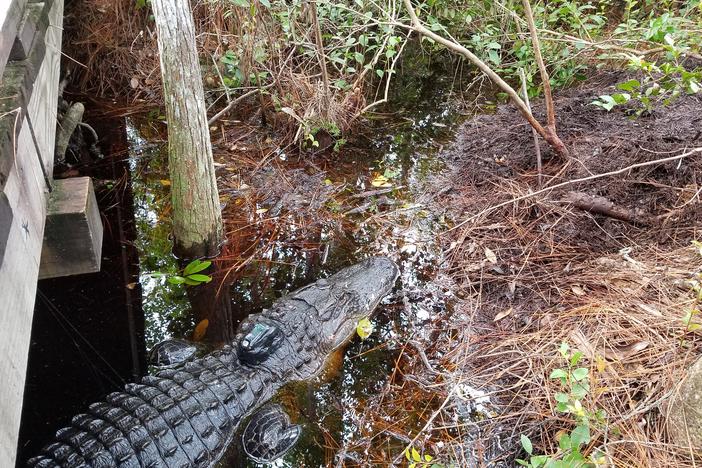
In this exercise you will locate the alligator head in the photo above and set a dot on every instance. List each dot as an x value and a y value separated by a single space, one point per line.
294 337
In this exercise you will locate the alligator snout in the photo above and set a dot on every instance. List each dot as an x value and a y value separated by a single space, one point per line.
372 279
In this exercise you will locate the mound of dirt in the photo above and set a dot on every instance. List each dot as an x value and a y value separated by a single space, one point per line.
544 269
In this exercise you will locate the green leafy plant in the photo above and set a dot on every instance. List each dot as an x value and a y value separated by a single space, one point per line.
190 275
664 78
575 386
662 83
417 460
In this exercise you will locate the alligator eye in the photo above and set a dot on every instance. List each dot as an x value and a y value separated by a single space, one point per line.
259 343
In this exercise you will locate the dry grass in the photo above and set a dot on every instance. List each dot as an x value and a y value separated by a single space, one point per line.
112 54
625 314
623 309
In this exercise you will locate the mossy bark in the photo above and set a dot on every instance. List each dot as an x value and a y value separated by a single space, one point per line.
197 218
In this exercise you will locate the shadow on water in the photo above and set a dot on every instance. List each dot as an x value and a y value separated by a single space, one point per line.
403 147
87 330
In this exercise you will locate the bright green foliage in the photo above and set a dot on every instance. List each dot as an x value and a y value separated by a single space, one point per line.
575 386
190 276
571 31
662 83
497 33
675 36
363 40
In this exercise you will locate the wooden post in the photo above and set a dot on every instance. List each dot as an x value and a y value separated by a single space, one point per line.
197 218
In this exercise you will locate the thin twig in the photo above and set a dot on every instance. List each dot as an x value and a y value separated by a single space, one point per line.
550 113
233 103
525 92
320 53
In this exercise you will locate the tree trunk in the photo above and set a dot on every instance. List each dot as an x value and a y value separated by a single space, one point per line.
197 218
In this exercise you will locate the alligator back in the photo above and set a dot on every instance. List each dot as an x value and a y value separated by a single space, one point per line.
178 417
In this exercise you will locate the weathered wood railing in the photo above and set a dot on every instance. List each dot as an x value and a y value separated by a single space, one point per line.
30 50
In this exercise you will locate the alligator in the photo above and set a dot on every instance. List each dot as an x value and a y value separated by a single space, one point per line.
187 415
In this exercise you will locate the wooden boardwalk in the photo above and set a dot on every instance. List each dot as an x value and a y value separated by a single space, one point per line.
30 44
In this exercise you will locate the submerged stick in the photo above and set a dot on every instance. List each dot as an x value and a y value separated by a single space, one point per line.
66 127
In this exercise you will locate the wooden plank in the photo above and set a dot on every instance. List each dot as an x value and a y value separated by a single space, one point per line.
44 101
26 194
26 153
11 12
73 232
16 91
34 23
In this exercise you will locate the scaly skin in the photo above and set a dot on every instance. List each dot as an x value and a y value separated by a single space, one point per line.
186 417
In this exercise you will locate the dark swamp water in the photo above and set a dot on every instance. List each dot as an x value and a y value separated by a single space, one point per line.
100 347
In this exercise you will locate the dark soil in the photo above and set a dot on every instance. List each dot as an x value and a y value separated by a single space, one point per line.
493 161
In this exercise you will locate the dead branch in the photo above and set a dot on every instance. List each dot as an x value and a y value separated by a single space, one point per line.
320 52
233 103
550 113
603 206
537 148
66 127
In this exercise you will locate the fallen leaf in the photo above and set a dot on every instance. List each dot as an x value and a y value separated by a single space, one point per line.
502 314
380 181
261 210
577 290
165 182
364 328
631 349
490 255
601 363
200 330
583 344
291 113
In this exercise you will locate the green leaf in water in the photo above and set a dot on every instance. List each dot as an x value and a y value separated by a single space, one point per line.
176 280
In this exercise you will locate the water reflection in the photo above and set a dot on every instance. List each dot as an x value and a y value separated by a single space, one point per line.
333 408
166 306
